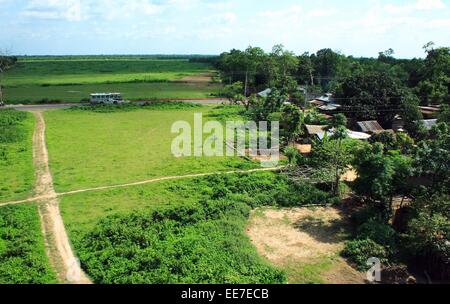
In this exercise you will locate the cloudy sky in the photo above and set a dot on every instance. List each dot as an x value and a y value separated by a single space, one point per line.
356 27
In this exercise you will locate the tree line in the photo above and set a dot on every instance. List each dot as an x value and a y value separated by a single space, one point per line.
326 69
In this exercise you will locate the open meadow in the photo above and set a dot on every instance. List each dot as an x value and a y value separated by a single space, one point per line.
91 149
72 79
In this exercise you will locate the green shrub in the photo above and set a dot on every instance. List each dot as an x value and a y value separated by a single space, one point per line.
379 232
22 253
365 214
126 107
202 243
11 129
360 250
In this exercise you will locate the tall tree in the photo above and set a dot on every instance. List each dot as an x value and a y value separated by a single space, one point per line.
371 96
435 86
381 176
305 71
6 62
326 64
432 158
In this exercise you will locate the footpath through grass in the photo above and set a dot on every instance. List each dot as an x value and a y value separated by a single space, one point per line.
22 253
16 155
90 149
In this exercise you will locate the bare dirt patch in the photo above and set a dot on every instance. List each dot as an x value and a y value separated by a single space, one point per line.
200 78
305 242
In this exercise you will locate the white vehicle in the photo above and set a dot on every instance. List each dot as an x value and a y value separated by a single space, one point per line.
107 98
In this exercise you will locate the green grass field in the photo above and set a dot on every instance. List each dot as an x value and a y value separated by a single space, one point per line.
22 253
72 79
73 71
89 149
131 91
16 156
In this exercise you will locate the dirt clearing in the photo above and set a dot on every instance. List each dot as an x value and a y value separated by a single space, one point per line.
201 78
305 242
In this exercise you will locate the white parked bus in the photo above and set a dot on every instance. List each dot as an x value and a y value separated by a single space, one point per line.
107 98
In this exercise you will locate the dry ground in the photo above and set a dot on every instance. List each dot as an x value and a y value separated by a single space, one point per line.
201 78
305 242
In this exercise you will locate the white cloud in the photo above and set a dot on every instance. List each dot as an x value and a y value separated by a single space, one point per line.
323 12
293 11
418 5
220 19
54 9
223 5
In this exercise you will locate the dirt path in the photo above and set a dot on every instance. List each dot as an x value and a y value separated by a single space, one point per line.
50 195
57 242
305 243
150 181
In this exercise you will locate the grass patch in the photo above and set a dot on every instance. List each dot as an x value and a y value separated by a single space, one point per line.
308 273
22 253
89 149
16 154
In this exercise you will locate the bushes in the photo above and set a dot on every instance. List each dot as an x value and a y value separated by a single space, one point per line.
380 233
202 243
156 105
360 250
374 238
22 254
11 129
267 189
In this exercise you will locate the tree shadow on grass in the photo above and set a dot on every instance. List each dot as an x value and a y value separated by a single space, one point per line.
331 231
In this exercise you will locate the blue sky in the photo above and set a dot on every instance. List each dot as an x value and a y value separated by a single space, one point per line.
360 28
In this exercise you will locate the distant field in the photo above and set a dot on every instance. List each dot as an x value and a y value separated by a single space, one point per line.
16 155
130 91
72 79
89 149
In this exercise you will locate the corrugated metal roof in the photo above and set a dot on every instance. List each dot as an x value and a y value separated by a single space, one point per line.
370 126
350 134
429 123
315 129
265 93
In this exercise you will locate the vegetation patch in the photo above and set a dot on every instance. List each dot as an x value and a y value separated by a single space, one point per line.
22 253
155 105
16 163
197 238
202 243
